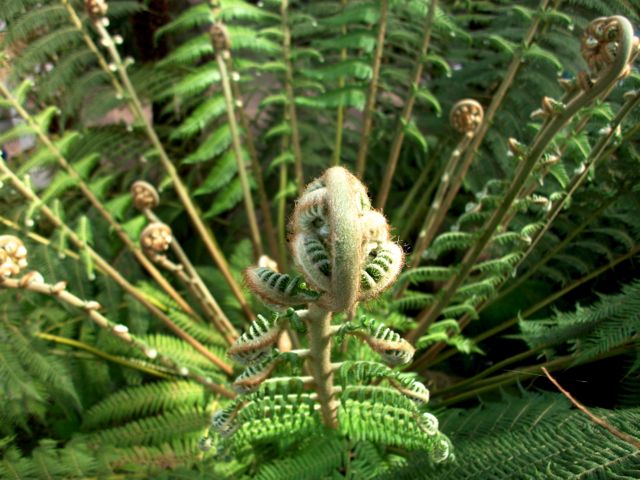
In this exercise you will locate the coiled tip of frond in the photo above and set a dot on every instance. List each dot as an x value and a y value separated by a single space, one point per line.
96 9
466 115
219 37
144 195
340 244
156 237
13 256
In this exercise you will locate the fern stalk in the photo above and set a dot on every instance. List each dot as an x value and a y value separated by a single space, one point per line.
425 195
367 118
508 378
106 267
436 211
204 232
551 253
319 326
193 281
93 47
596 154
237 149
35 237
291 99
265 205
70 342
282 216
96 203
337 149
118 331
405 117
482 130
542 140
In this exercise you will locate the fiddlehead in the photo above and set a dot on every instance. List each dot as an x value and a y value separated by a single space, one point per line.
344 253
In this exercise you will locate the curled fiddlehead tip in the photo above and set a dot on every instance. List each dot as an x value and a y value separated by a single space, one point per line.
144 195
13 256
219 37
607 43
600 42
156 237
96 8
340 244
466 116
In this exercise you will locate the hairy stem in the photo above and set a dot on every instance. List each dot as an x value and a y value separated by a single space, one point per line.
282 218
405 117
291 99
181 190
482 130
367 118
319 333
237 150
337 149
596 154
508 378
436 212
265 205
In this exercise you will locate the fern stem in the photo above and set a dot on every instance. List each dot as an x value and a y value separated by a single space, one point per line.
93 47
596 154
542 140
423 201
183 194
237 149
196 285
494 368
70 342
625 437
106 267
551 253
481 131
319 333
424 360
405 117
96 203
265 205
118 331
436 212
337 149
282 218
367 118
291 99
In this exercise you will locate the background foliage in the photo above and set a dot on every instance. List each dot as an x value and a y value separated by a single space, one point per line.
77 403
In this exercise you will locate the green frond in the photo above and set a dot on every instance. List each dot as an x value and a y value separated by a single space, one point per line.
146 400
526 432
610 322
